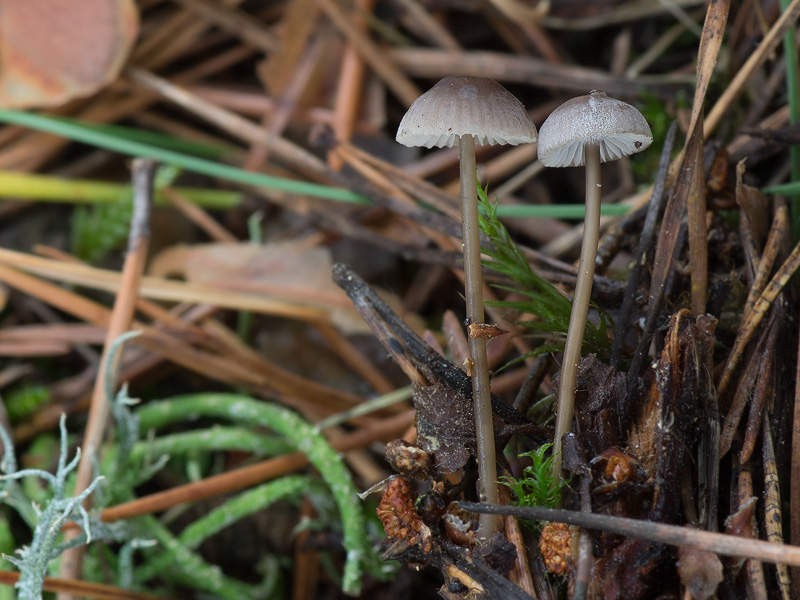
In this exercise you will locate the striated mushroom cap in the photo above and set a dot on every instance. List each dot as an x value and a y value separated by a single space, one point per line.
458 106
616 126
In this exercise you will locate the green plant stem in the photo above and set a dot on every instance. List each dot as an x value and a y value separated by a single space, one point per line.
304 438
558 211
580 305
94 137
473 280
45 188
238 507
215 439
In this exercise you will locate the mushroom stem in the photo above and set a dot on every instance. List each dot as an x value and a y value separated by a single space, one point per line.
481 394
580 304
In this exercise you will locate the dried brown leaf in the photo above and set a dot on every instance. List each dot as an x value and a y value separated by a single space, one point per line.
54 50
290 270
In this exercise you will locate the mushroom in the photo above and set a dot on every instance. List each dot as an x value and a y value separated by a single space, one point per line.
469 110
587 130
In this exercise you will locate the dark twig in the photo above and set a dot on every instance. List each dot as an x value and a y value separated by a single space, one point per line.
645 242
719 543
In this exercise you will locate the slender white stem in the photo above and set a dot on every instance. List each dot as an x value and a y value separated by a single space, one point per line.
580 304
481 394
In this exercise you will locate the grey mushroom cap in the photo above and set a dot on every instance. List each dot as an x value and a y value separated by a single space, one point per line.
457 106
616 126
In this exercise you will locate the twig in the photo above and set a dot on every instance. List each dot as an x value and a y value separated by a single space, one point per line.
752 320
773 517
719 543
119 323
87 589
251 475
381 63
199 217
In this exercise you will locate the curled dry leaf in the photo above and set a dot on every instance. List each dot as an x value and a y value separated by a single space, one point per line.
54 50
407 459
400 518
290 270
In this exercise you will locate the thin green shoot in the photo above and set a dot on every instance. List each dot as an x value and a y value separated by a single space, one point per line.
551 308
536 486
79 132
156 138
127 142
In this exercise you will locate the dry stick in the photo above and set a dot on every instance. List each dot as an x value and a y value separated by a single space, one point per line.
794 484
754 569
424 62
119 323
752 320
224 368
286 101
719 543
573 237
744 389
775 239
765 387
383 66
375 172
349 89
755 60
199 217
293 155
411 184
645 241
354 358
306 559
255 104
237 23
155 311
429 28
690 190
253 474
82 589
156 288
773 517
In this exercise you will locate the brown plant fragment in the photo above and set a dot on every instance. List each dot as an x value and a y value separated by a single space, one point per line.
407 459
499 553
619 468
700 571
485 330
399 517
555 546
627 573
459 527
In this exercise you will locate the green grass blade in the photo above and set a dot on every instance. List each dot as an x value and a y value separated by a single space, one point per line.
154 138
46 188
558 211
88 135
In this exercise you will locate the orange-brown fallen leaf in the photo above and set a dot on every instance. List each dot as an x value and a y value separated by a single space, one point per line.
54 50
292 270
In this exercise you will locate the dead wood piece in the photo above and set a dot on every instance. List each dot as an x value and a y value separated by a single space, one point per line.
442 392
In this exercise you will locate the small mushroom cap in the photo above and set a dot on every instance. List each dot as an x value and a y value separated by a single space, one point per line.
458 106
616 126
